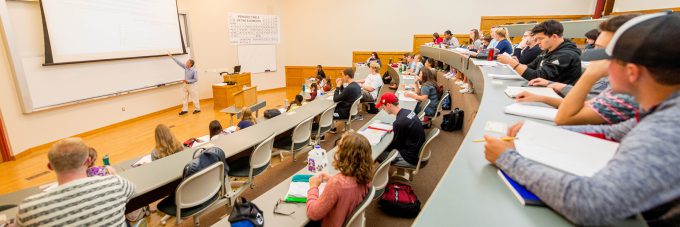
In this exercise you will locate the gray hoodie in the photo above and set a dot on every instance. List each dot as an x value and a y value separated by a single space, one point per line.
643 175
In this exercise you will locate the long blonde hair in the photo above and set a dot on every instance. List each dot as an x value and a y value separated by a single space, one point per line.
166 143
247 115
353 158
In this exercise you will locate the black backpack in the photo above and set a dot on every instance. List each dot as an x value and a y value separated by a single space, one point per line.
453 121
246 211
399 200
270 113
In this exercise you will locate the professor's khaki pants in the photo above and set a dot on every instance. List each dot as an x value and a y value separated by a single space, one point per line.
190 91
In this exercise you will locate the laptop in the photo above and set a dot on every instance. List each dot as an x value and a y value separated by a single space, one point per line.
237 69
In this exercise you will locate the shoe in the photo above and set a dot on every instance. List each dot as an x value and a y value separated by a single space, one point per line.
334 130
182 113
359 118
323 138
197 111
465 91
459 83
464 85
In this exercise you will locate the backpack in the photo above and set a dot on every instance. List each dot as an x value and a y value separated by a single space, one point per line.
446 103
399 200
269 114
453 121
246 213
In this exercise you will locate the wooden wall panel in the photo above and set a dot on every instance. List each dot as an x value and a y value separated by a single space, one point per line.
490 21
296 75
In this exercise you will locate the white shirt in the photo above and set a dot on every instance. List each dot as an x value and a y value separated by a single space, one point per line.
374 81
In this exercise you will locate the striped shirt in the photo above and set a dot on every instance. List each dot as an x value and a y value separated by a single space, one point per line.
614 107
91 201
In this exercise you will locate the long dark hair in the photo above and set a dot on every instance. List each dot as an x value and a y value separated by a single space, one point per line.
215 128
476 35
376 55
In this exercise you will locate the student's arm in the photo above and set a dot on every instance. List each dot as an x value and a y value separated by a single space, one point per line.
614 132
548 71
340 95
127 186
526 96
637 178
398 138
574 111
319 207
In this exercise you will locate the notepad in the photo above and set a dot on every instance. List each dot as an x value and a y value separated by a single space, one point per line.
374 136
564 150
537 112
142 161
299 185
381 126
484 63
522 194
505 76
513 91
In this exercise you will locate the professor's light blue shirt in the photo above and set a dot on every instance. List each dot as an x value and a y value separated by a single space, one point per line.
190 74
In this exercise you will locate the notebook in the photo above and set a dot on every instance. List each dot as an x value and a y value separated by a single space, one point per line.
513 91
299 185
142 161
381 126
505 76
484 63
373 135
522 194
536 112
582 155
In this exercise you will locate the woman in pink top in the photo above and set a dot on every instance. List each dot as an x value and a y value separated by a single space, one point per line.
345 190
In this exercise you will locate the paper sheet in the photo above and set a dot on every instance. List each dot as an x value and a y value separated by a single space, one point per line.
142 161
484 63
299 189
537 112
374 136
582 155
513 91
505 76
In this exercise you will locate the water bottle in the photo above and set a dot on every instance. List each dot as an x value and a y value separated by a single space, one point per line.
491 51
317 160
106 161
303 87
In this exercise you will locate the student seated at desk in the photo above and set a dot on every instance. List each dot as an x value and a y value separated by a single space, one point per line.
78 200
97 170
591 36
166 143
409 134
320 72
486 43
345 190
425 89
346 92
297 103
560 62
436 39
644 173
504 46
247 118
527 50
216 130
374 59
475 41
605 106
372 84
313 91
449 39
415 65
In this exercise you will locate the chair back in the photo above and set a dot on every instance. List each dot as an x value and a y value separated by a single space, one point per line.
421 115
382 174
439 106
425 151
355 108
262 155
326 119
357 218
200 187
303 131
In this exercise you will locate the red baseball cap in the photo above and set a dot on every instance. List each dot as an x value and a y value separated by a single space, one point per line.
388 97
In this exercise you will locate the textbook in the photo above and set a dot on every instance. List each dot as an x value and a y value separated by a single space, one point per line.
381 126
522 194
374 136
537 112
564 150
513 91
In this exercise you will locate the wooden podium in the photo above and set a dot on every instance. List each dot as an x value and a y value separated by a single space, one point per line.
223 94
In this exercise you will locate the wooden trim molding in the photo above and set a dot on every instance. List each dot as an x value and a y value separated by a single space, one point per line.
675 9
489 21
5 149
296 75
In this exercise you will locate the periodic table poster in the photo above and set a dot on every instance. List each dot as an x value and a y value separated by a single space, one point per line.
254 29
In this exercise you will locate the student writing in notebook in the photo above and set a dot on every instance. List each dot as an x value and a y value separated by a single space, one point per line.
644 174
344 191
607 107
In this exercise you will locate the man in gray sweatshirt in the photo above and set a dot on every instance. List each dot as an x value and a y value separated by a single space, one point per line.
644 174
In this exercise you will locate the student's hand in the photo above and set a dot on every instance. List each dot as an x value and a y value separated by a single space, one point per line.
597 69
515 58
316 180
557 86
110 170
507 59
539 82
338 82
513 130
495 147
526 96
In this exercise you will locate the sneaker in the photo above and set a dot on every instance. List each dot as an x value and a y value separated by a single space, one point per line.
464 85
359 118
197 111
459 82
183 113
465 91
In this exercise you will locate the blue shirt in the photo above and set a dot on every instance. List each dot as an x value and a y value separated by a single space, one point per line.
244 124
190 73
504 46
493 43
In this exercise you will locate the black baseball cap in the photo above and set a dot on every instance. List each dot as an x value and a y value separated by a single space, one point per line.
647 40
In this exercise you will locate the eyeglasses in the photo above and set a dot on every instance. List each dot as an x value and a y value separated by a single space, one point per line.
276 207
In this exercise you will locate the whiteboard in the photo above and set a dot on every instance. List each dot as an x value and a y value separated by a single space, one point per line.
44 87
247 29
257 58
